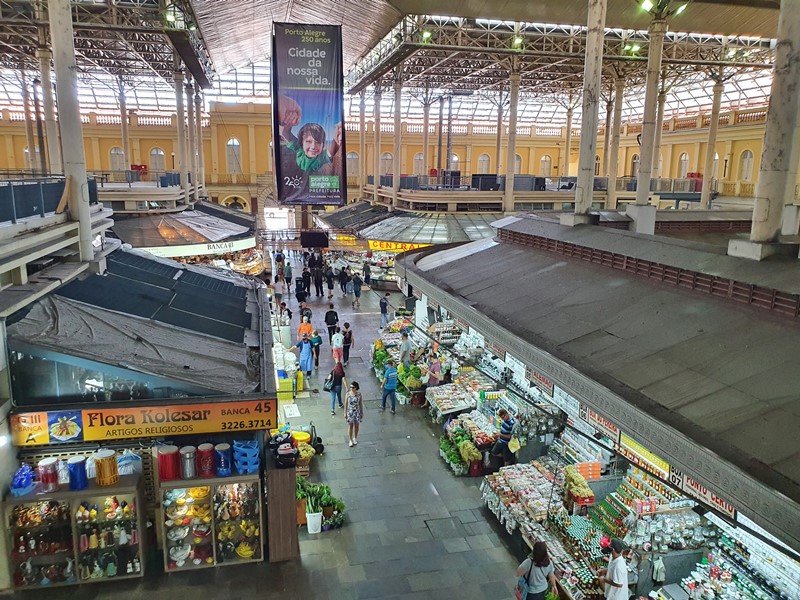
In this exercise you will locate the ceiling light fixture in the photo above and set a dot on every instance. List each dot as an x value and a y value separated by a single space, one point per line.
426 35
517 41
635 48
681 8
647 5
171 17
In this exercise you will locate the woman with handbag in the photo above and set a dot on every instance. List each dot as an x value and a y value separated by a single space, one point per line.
536 574
334 384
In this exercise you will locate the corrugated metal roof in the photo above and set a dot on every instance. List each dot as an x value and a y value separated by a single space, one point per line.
417 228
153 289
354 216
723 375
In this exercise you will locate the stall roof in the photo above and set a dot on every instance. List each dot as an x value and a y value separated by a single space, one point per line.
423 228
189 227
354 216
723 375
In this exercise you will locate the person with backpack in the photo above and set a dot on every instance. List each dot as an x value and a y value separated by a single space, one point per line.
357 283
347 343
536 574
332 322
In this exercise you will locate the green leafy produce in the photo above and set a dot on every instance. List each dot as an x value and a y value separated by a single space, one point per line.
414 371
413 383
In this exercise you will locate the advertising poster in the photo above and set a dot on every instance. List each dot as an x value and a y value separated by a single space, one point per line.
308 114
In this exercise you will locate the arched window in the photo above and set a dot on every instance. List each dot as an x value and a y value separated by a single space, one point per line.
419 164
683 165
233 154
157 160
236 203
597 165
517 164
352 164
483 163
386 163
715 168
117 161
545 165
454 162
635 165
746 166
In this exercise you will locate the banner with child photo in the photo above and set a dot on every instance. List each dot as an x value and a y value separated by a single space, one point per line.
308 114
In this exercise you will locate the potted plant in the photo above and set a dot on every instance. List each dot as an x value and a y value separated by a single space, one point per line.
326 502
313 510
301 495
327 524
337 520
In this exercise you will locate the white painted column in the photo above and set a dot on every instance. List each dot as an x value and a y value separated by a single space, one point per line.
191 163
126 140
567 145
198 116
592 74
50 124
396 163
362 144
708 167
426 121
30 159
508 196
607 135
214 154
69 114
376 124
499 140
183 163
770 191
658 28
662 99
613 158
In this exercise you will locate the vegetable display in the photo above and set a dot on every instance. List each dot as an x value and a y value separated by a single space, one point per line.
575 483
468 451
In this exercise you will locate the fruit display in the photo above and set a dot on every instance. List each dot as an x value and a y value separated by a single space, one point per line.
576 485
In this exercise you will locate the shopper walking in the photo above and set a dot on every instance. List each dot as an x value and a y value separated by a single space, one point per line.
280 289
337 345
343 280
615 579
389 385
331 321
319 278
316 346
329 280
287 271
539 572
285 312
306 276
305 329
384 304
353 412
337 382
405 350
278 261
357 283
367 273
347 343
305 311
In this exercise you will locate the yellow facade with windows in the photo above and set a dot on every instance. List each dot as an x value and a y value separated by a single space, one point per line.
237 148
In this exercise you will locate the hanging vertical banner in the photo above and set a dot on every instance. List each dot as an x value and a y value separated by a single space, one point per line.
308 114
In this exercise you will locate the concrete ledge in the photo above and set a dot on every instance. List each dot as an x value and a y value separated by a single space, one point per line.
759 250
572 219
644 218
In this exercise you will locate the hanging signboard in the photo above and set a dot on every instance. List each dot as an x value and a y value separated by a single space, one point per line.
394 246
202 249
308 114
604 426
98 424
692 488
540 381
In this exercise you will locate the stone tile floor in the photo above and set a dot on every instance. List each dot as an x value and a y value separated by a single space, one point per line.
413 531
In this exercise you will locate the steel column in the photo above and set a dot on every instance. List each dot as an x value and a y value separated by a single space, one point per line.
50 124
397 164
607 135
198 116
499 140
183 164
362 142
426 120
26 102
592 76
508 196
567 145
377 140
191 163
658 28
69 112
613 158
662 99
123 115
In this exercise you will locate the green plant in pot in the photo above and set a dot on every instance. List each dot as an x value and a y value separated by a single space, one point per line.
326 501
337 520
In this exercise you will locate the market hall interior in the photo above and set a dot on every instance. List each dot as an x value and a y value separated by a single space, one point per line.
595 232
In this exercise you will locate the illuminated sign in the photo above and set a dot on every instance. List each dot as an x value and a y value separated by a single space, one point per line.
97 424
202 249
394 246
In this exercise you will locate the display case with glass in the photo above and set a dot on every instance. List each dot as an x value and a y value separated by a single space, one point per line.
66 537
187 526
237 521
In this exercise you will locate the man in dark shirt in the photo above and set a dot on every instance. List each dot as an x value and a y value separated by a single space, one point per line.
332 321
306 280
384 311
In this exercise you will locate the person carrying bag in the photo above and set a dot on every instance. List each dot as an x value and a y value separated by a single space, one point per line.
536 574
